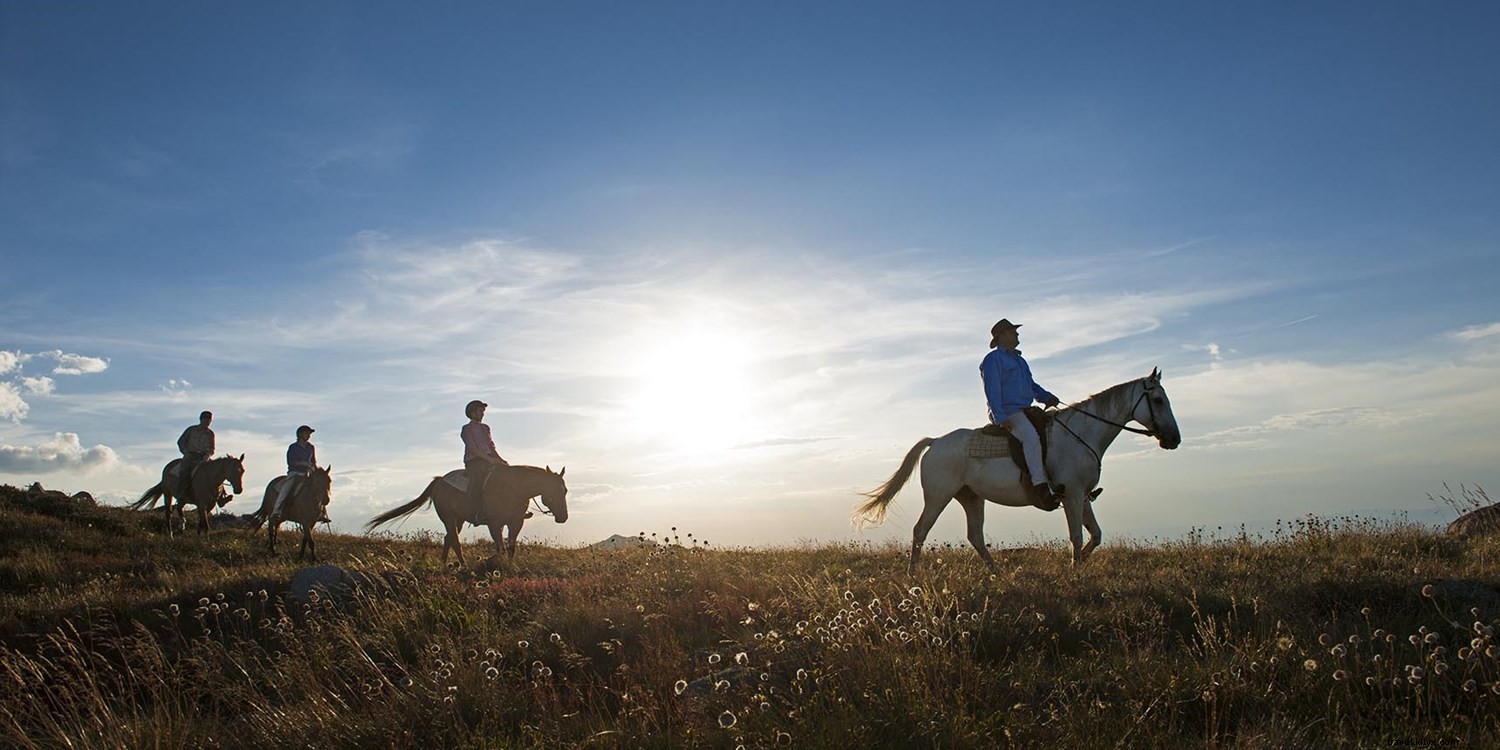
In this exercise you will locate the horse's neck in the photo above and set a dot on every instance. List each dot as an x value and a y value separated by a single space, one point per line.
1114 404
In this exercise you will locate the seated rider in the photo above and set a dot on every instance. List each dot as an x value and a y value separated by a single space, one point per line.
480 456
1008 390
196 444
301 459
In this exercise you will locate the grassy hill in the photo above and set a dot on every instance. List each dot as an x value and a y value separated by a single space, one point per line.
1325 633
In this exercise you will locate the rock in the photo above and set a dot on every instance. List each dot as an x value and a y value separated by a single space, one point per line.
620 541
1477 522
331 581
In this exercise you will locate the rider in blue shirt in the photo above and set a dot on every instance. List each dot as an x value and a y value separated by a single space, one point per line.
301 459
1008 390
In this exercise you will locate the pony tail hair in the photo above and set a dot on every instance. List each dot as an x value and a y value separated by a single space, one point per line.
873 511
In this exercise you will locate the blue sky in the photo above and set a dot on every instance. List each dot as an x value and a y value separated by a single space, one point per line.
728 261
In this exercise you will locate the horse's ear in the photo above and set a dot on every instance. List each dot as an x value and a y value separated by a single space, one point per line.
549 468
1156 373
242 458
561 472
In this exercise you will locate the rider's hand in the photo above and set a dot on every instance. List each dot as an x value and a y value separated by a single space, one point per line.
1052 402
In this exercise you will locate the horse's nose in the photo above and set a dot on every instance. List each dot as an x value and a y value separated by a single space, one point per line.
560 517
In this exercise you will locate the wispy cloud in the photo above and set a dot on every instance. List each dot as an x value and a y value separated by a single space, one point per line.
1475 332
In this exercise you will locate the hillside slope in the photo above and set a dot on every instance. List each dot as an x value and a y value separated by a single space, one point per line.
1339 633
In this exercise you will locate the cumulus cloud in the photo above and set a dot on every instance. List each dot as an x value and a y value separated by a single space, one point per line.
76 364
63 452
12 406
11 361
38 386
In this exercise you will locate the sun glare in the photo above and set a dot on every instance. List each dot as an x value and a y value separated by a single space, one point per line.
693 393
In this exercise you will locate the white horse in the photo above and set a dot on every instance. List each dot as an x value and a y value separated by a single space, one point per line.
1077 438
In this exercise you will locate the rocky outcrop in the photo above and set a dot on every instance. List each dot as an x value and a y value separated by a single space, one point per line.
1479 522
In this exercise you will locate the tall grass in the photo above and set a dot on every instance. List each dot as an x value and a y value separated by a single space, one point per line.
1338 633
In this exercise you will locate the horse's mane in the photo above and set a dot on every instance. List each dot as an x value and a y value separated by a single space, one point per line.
1109 395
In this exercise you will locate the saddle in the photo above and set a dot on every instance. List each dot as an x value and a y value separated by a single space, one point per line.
994 441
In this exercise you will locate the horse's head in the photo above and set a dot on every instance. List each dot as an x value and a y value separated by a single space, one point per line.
236 473
320 483
555 495
1154 410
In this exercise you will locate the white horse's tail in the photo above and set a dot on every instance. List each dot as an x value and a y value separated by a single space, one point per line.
873 512
406 509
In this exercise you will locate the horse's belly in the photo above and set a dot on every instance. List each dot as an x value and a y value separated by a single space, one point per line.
997 480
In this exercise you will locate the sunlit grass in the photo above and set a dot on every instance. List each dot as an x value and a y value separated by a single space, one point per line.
1341 632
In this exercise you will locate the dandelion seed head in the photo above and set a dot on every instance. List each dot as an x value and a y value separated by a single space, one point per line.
1310 665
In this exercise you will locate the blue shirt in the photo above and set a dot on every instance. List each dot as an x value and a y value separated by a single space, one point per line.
1008 386
301 458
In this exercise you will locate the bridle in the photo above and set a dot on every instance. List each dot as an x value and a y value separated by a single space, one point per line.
1146 391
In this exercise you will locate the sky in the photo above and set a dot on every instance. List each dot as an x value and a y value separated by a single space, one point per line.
727 261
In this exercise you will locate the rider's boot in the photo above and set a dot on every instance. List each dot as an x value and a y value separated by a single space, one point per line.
1046 496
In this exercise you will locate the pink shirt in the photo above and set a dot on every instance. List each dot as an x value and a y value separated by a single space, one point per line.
477 441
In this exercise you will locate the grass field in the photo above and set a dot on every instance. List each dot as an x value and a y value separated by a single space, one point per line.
1322 633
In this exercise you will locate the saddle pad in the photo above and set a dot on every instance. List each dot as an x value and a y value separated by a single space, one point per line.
988 446
457 479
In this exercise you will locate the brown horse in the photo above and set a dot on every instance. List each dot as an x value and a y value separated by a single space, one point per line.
303 507
504 498
204 487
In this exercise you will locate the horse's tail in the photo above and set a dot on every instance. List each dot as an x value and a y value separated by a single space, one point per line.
407 509
873 511
258 518
149 498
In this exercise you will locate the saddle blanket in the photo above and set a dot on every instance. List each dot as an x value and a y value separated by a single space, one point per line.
457 479
988 446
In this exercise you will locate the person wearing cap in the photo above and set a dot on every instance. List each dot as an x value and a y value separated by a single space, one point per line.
301 459
1008 389
196 444
480 456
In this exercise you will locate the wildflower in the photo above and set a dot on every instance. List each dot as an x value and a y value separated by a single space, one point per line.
1431 638
640 608
1370 681
175 610
523 644
557 638
782 738
679 687
721 685
1470 686
726 720
713 658
1284 643
1337 651
915 591
203 602
1429 591
742 658
1340 675
1354 639
1324 640
491 673
1310 665
801 675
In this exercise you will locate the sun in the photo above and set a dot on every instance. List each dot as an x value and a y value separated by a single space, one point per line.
691 391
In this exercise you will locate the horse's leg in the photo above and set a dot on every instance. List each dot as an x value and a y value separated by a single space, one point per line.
452 539
1092 524
932 507
973 506
169 500
1074 512
510 541
307 544
202 520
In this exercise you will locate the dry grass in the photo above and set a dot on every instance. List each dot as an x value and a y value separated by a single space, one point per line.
1325 633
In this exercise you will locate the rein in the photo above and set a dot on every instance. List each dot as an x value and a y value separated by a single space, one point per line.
538 507
1098 458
